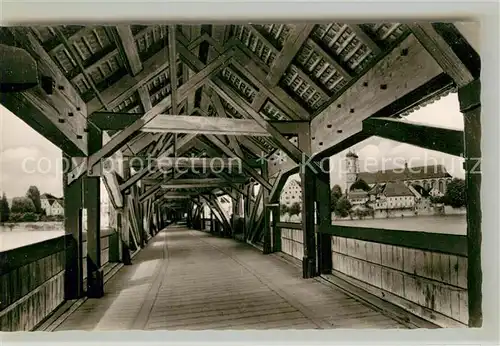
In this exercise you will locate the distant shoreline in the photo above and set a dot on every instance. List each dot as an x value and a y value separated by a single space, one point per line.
30 226
19 222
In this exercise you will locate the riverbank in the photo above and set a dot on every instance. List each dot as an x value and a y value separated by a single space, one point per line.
31 226
448 224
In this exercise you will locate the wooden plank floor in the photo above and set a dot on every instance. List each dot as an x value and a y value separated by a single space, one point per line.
187 279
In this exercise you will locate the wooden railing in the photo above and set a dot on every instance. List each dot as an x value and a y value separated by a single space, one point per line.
424 273
32 278
291 239
31 283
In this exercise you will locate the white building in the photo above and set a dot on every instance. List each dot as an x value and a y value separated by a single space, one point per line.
396 188
52 205
292 193
391 195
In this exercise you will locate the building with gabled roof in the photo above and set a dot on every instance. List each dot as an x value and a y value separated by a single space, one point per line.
432 178
292 193
51 204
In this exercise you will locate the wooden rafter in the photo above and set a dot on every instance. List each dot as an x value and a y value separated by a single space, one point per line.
127 43
242 107
185 144
219 108
227 151
296 38
433 138
442 53
204 125
79 63
334 62
367 40
119 139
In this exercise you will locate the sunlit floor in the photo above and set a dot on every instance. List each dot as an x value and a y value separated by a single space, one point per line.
187 279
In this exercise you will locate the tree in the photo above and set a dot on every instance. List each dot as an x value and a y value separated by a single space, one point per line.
22 205
4 209
294 209
455 193
437 199
34 194
361 185
336 191
283 209
343 207
335 194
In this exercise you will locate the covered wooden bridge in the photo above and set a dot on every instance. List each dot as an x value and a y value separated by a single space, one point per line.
171 117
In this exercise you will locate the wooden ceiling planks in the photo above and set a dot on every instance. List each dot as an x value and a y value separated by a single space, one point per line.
268 71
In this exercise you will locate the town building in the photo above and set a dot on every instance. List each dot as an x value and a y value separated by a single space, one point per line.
51 205
292 193
406 188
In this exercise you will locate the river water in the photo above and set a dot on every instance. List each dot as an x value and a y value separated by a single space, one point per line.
22 234
25 233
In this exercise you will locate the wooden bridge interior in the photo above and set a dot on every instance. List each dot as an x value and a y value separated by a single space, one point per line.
171 117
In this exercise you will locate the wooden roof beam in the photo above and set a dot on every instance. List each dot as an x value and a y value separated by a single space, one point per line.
218 34
334 62
118 140
241 106
219 108
444 55
393 76
45 63
185 144
127 45
256 71
163 143
188 162
79 63
433 138
61 116
253 173
367 40
127 85
281 141
204 125
172 52
296 38
149 193
259 73
145 98
194 36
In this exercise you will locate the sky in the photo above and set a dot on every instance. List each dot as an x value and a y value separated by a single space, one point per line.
22 149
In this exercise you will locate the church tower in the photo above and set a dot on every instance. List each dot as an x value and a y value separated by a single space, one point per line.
352 169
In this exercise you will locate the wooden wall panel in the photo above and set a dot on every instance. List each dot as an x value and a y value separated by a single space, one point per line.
292 242
31 292
429 284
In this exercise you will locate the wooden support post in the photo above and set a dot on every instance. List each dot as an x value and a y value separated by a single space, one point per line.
139 216
92 203
276 231
203 221
73 275
266 247
123 233
324 219
212 218
123 221
307 178
218 229
470 106
115 247
189 221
